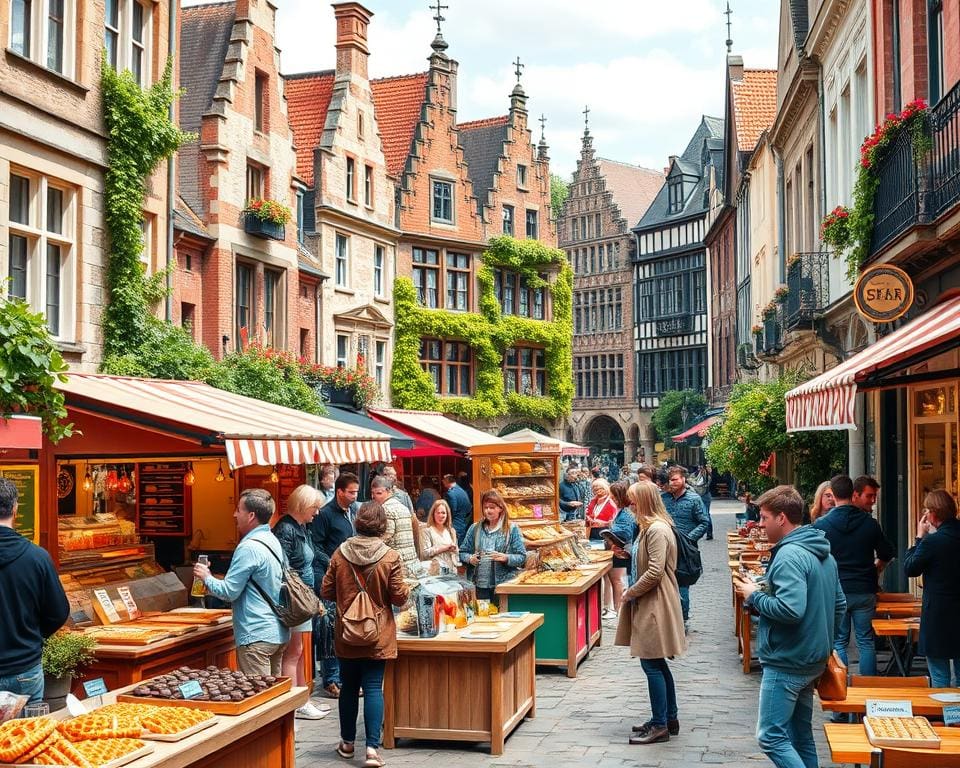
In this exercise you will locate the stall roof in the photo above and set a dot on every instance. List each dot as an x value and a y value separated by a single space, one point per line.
434 426
398 440
252 431
697 430
530 436
21 432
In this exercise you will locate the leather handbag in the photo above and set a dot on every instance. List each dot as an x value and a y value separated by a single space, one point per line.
832 685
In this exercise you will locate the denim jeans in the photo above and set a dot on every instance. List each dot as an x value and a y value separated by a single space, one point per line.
706 499
784 723
860 610
29 682
939 670
663 696
685 602
330 671
366 674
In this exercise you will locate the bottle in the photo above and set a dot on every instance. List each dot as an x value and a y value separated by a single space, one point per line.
198 589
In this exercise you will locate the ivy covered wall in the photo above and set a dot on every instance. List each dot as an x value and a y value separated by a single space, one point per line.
490 333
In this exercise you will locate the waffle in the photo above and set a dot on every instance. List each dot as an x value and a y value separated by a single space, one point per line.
17 737
102 751
168 720
48 742
99 726
551 577
906 728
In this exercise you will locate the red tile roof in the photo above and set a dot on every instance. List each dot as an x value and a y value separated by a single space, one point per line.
308 97
754 105
483 123
397 102
633 188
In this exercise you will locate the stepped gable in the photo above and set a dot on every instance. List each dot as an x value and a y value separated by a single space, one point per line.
482 143
754 106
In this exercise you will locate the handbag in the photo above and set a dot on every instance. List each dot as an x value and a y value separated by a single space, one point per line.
298 602
832 685
689 563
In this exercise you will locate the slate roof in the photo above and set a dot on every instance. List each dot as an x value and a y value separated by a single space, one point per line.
754 105
633 188
482 142
204 38
397 103
185 220
800 21
705 147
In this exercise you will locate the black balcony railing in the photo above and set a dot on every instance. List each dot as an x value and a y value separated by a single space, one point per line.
808 282
916 191
772 337
675 325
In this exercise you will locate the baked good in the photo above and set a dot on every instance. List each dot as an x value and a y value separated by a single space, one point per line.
17 737
95 725
100 751
905 728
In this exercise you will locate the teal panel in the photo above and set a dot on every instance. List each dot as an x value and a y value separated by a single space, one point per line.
551 637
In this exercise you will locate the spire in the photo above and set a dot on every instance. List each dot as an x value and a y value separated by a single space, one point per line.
542 148
518 99
439 45
726 13
586 121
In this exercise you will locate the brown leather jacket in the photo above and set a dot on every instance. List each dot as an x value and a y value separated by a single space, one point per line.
382 570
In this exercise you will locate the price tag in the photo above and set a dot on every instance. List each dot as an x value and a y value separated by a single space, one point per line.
951 715
94 687
129 602
106 603
885 708
191 689
538 510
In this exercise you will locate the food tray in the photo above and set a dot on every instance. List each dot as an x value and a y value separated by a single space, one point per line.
917 733
145 750
186 619
181 735
217 707
115 637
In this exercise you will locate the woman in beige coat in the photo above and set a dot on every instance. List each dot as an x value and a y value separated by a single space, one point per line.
651 621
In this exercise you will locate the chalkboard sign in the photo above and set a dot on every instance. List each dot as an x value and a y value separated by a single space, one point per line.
24 477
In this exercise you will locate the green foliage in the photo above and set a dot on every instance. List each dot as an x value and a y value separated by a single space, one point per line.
754 426
559 191
668 420
271 376
140 135
489 334
30 366
64 651
167 352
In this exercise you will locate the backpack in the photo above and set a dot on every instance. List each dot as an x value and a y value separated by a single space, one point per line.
362 622
298 602
689 565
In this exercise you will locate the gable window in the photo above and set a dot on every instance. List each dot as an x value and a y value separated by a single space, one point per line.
368 185
458 281
343 350
351 179
450 365
442 208
254 182
272 307
243 303
341 257
127 35
524 371
378 259
360 125
675 194
39 31
426 276
522 176
532 225
508 220
259 106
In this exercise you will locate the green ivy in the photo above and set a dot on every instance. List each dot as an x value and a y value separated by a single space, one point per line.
667 418
140 136
489 334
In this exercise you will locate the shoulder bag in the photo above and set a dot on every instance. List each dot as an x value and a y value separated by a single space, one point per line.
689 564
298 602
832 685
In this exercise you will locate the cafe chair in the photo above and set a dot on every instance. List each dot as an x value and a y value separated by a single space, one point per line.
885 681
888 757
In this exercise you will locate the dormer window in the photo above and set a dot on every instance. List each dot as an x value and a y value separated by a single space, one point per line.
675 191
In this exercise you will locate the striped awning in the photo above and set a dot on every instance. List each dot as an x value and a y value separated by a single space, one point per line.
697 430
827 402
434 426
253 432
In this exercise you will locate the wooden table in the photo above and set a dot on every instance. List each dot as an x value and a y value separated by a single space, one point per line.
455 689
897 610
900 635
571 615
849 744
856 700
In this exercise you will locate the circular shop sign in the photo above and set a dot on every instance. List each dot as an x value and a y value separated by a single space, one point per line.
883 293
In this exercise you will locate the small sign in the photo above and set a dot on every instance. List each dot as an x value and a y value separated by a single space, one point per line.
75 707
883 293
887 708
96 687
538 510
129 602
191 689
951 715
106 603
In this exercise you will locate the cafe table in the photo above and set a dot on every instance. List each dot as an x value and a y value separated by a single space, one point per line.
900 635
901 609
849 743
919 698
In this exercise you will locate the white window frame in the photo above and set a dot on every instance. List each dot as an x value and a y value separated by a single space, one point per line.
125 40
379 269
38 237
39 37
343 360
147 230
380 364
341 276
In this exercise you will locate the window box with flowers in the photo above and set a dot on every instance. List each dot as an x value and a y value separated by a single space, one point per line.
781 295
757 332
266 218
350 387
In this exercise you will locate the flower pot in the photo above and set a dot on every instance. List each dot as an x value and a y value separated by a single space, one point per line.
55 690
338 395
263 228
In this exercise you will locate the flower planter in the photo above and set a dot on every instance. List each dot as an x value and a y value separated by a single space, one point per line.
338 395
263 228
55 690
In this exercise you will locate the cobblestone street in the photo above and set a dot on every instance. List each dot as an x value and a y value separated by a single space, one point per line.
586 721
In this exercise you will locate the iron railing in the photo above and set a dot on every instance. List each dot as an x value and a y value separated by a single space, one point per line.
945 152
808 283
773 333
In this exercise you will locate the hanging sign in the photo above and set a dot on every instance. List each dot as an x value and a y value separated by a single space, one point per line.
883 293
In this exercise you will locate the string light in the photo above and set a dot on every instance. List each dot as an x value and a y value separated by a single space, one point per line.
275 475
87 483
189 478
220 475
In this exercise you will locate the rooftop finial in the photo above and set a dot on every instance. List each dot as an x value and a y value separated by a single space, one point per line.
439 45
586 119
518 68
728 13
543 124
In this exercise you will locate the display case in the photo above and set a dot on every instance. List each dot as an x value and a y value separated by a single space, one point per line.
163 499
525 474
97 540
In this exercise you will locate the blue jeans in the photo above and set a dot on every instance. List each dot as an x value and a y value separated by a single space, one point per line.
785 721
706 499
685 602
663 696
330 671
366 674
29 682
939 670
861 608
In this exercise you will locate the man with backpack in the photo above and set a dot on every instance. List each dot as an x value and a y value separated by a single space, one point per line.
689 517
259 635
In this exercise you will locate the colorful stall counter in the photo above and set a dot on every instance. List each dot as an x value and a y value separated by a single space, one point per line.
571 615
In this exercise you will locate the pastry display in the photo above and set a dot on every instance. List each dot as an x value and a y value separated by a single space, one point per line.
96 725
216 684
554 578
103 751
87 741
901 732
125 634
17 737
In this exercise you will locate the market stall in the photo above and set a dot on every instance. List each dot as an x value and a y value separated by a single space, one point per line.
527 435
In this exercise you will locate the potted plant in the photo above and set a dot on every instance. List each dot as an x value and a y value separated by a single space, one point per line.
63 653
780 295
265 218
352 387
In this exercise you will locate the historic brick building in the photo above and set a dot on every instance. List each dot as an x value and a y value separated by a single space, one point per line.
53 154
605 198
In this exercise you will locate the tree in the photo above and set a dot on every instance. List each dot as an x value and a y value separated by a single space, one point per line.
559 189
668 418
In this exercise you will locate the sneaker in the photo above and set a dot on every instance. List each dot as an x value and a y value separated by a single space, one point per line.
309 711
321 705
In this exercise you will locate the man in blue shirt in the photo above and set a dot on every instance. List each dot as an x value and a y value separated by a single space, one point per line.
259 635
461 507
571 500
689 517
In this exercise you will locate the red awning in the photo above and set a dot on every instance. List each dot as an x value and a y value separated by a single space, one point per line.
697 430
23 432
827 402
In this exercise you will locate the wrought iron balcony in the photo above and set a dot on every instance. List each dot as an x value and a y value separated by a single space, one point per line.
675 325
771 340
916 191
808 282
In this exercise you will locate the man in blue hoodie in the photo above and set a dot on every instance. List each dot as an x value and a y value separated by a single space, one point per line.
690 518
34 607
799 605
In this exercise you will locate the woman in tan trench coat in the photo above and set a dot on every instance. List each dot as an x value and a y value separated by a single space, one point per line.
651 620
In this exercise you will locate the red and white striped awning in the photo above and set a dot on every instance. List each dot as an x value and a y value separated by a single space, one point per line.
699 429
827 402
253 432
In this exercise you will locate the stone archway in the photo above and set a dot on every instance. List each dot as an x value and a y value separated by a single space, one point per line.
604 437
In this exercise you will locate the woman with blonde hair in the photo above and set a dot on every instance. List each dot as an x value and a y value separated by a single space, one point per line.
493 548
651 620
823 502
440 544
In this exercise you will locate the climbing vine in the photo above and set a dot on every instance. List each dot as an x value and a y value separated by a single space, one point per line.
490 333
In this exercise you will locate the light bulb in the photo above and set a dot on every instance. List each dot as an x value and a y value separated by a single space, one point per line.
87 484
220 476
189 477
274 476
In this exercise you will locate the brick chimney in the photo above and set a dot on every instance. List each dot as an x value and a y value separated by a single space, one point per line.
352 52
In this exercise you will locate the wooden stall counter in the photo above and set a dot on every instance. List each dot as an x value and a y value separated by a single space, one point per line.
849 744
571 614
474 684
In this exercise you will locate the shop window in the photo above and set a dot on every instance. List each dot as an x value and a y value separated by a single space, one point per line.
243 303
426 276
524 371
450 365
442 206
341 259
458 281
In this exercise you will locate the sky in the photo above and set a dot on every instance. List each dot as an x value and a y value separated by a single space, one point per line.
648 69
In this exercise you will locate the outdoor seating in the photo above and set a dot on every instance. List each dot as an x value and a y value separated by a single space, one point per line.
879 681
888 757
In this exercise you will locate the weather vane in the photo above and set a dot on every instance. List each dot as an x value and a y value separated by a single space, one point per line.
439 17
726 13
543 124
586 118
518 67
